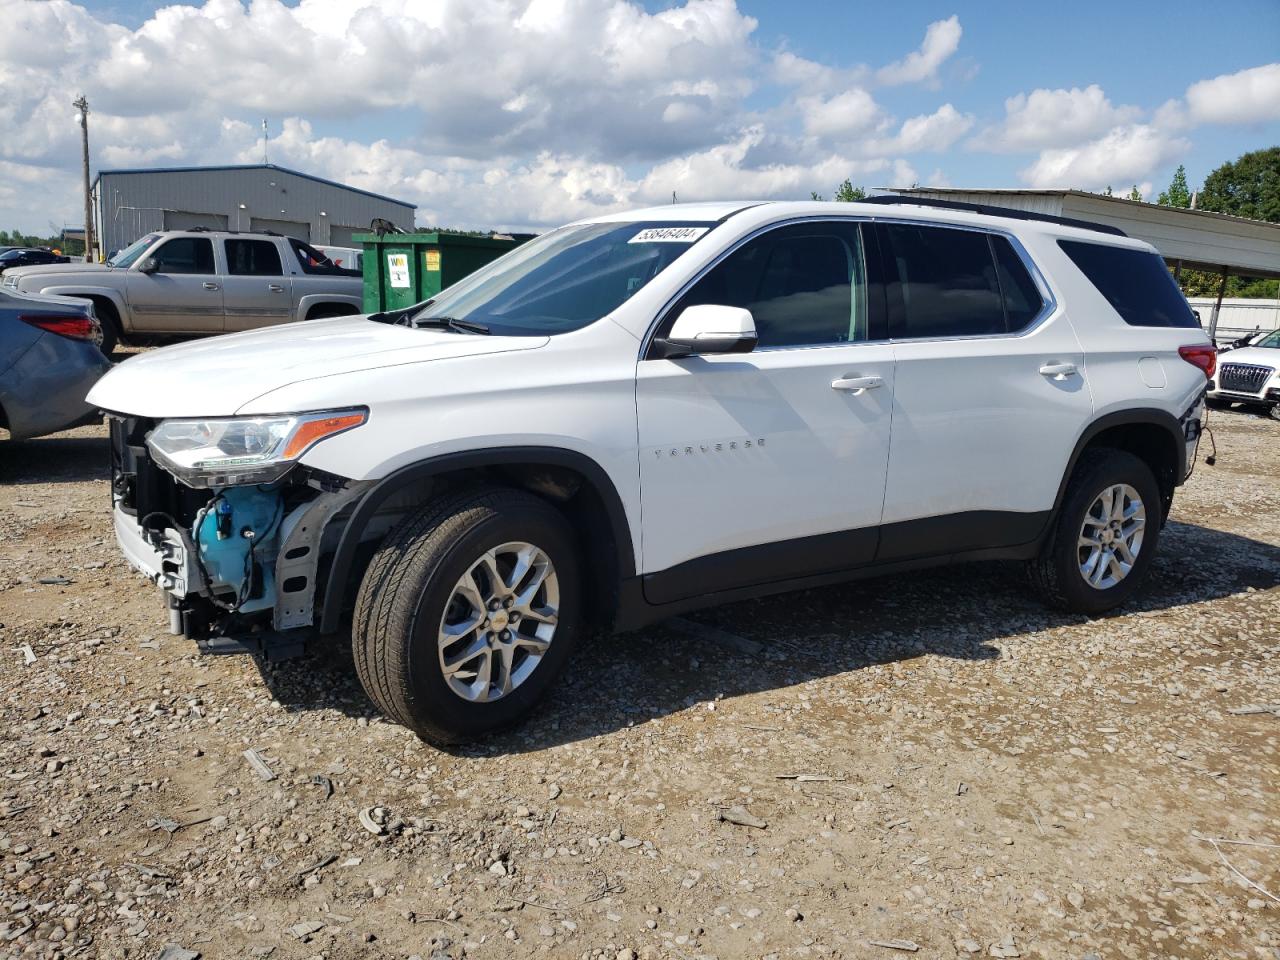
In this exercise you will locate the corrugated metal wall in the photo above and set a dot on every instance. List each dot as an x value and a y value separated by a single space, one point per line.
1239 315
130 204
1031 202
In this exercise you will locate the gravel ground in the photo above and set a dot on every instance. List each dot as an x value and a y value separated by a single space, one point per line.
928 764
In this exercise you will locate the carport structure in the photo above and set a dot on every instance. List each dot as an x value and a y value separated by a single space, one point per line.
1187 239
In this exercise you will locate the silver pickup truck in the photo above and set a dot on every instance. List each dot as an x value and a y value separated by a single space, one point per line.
196 282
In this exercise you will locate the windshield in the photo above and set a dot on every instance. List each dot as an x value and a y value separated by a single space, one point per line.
566 279
1271 340
133 251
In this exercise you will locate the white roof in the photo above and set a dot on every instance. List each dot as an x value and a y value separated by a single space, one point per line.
759 212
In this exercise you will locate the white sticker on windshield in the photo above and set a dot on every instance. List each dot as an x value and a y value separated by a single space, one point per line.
669 235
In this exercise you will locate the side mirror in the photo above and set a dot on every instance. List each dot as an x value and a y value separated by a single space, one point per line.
709 328
149 265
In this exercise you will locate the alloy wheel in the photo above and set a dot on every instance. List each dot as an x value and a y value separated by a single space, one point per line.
499 622
1111 536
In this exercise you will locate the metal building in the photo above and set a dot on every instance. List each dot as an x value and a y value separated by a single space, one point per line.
130 203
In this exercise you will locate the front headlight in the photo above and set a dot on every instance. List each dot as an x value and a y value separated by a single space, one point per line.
233 451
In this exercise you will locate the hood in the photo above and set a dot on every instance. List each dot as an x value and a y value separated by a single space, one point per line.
218 376
1261 356
47 269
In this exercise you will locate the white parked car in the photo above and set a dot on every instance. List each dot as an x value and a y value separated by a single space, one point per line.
648 412
1250 375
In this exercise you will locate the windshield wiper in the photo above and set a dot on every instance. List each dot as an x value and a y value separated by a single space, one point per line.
451 323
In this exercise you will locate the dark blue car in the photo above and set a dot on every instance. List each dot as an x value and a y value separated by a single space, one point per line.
49 358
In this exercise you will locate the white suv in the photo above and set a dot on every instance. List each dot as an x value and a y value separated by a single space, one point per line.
644 413
1250 375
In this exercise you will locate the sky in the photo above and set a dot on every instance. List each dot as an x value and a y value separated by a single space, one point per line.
523 114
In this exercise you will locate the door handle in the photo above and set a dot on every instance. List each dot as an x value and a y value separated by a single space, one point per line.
856 385
209 285
1059 371
275 288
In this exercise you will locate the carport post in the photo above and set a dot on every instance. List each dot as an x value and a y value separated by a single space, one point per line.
1217 306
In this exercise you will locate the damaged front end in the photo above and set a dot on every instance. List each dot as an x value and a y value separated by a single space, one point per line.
221 516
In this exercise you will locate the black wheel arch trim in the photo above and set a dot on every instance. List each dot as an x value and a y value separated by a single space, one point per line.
1150 416
340 569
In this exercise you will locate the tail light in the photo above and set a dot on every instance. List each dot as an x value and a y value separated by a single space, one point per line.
73 326
1202 356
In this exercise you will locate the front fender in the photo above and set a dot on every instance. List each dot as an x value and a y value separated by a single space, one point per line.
83 292
367 506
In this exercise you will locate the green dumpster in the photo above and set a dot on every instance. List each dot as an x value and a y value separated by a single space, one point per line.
401 269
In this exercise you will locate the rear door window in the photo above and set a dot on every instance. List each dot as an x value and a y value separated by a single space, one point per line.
1022 299
947 283
186 255
1136 283
253 258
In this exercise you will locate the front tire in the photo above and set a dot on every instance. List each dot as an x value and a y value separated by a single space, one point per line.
1104 537
469 611
109 321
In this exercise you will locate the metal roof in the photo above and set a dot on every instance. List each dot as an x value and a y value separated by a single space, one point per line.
1197 239
254 166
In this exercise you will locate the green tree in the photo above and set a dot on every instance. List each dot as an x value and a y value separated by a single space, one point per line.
848 193
1178 194
1135 194
1246 187
16 238
815 195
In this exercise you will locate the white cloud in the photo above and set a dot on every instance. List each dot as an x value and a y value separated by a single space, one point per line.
929 133
1250 96
845 114
1172 116
904 175
484 75
1125 155
1054 118
723 172
526 113
941 40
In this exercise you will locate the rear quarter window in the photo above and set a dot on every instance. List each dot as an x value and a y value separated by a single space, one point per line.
1136 283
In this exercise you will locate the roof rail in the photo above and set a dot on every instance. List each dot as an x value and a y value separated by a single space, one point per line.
990 211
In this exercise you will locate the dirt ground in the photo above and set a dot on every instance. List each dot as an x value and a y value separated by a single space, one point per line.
935 766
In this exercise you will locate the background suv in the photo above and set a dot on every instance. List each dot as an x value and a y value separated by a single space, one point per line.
636 415
1250 375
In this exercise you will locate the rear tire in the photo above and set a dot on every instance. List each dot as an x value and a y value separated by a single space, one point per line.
1104 537
327 311
432 649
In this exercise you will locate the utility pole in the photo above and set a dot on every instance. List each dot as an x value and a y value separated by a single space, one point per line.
83 106
264 141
